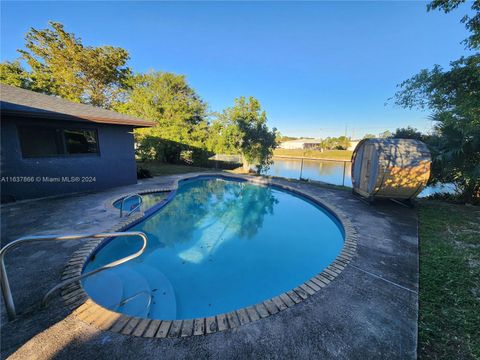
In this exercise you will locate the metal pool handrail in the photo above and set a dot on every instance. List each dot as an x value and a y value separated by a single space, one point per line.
129 197
6 291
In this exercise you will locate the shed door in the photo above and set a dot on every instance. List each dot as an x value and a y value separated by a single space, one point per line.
366 172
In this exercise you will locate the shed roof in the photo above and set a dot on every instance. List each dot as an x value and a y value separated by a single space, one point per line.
405 152
20 102
398 143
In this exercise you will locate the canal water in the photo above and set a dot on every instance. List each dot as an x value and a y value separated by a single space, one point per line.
331 172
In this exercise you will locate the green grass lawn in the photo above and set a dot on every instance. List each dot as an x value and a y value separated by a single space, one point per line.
327 154
449 321
158 169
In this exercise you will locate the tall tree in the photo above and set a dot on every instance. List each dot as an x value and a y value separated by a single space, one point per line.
453 96
472 23
59 64
408 133
385 134
167 99
243 129
12 73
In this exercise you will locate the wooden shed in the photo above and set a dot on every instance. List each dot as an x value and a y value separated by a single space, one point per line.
390 168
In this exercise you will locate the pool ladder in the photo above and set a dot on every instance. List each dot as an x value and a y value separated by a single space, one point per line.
130 196
6 291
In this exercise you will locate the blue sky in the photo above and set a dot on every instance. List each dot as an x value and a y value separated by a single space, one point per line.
316 67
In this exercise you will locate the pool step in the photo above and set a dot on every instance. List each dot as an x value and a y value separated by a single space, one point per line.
141 291
106 288
164 304
134 285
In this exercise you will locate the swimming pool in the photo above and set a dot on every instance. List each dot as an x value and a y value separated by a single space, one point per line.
218 245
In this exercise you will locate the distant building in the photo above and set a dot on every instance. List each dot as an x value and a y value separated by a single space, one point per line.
353 144
53 146
301 144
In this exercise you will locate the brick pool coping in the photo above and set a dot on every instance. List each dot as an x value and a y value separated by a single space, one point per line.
86 310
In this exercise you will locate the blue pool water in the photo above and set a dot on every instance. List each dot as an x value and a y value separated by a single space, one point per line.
217 246
148 200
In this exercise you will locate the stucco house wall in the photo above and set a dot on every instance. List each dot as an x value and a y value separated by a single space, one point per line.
300 144
114 165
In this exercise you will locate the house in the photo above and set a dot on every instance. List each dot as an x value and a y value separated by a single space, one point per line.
301 144
353 144
53 146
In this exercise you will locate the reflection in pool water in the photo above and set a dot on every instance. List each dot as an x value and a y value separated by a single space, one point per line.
219 245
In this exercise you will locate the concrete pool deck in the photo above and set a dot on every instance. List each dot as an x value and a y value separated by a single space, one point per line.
369 311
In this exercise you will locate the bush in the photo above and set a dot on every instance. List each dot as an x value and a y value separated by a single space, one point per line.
143 173
167 151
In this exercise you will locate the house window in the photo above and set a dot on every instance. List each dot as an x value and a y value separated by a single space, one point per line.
80 141
38 141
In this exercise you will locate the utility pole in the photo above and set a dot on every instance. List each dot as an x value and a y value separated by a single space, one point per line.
346 135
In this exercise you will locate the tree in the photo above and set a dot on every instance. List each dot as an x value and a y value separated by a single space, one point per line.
12 73
281 138
60 64
335 143
408 133
343 143
385 134
472 23
453 96
167 99
243 129
456 154
369 136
